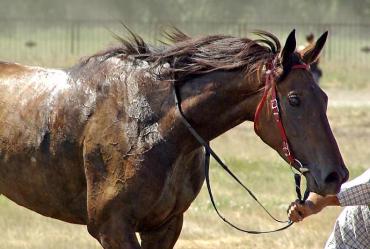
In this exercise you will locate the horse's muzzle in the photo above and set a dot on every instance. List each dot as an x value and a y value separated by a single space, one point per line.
328 184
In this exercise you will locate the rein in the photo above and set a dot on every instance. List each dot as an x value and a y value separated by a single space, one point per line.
269 84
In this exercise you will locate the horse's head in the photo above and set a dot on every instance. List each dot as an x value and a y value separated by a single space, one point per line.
303 107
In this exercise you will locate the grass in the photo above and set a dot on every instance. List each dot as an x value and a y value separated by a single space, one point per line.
256 164
345 76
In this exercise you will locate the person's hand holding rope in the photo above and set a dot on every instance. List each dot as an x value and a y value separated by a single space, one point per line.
297 211
354 219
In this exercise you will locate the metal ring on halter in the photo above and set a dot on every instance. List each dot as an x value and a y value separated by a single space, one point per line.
301 169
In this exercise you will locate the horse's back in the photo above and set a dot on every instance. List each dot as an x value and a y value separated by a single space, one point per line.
28 98
9 69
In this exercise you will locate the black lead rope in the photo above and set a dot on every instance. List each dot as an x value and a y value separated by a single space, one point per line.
210 152
297 179
289 223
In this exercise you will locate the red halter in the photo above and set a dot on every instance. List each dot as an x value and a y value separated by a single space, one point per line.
274 105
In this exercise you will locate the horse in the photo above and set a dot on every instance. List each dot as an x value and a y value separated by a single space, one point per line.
102 143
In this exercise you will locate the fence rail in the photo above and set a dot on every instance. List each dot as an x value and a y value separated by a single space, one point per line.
61 43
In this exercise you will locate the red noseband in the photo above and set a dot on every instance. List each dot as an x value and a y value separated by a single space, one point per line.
301 66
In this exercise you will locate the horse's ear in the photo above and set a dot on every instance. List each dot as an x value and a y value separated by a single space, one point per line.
289 46
312 53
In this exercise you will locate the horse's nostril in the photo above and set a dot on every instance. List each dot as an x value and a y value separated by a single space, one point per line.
332 178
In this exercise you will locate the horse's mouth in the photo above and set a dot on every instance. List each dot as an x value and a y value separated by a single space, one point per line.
311 182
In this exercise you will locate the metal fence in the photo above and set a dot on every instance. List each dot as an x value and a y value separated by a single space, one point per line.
61 43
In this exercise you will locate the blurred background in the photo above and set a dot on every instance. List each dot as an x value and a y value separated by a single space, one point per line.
58 33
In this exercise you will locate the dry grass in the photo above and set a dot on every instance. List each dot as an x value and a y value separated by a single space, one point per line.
256 164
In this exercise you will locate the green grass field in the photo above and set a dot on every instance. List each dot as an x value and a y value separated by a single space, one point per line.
256 164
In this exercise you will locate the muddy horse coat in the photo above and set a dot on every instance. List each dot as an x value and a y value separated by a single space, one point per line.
102 144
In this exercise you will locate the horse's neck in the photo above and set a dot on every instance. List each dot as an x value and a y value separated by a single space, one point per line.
219 101
214 102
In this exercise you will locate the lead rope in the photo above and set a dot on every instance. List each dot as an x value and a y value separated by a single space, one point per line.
270 83
210 152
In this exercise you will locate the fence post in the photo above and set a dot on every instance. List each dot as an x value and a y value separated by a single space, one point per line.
72 37
78 36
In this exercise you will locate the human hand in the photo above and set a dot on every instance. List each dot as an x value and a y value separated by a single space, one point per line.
315 203
298 211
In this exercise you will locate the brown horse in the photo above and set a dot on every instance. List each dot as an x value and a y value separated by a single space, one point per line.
102 143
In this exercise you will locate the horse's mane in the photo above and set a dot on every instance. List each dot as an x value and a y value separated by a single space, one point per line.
194 56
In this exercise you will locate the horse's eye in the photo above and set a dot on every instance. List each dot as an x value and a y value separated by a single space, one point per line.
294 100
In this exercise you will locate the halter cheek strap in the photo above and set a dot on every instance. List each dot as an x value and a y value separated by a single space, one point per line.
270 83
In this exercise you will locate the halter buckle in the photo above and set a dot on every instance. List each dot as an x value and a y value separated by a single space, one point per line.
302 169
286 149
275 106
